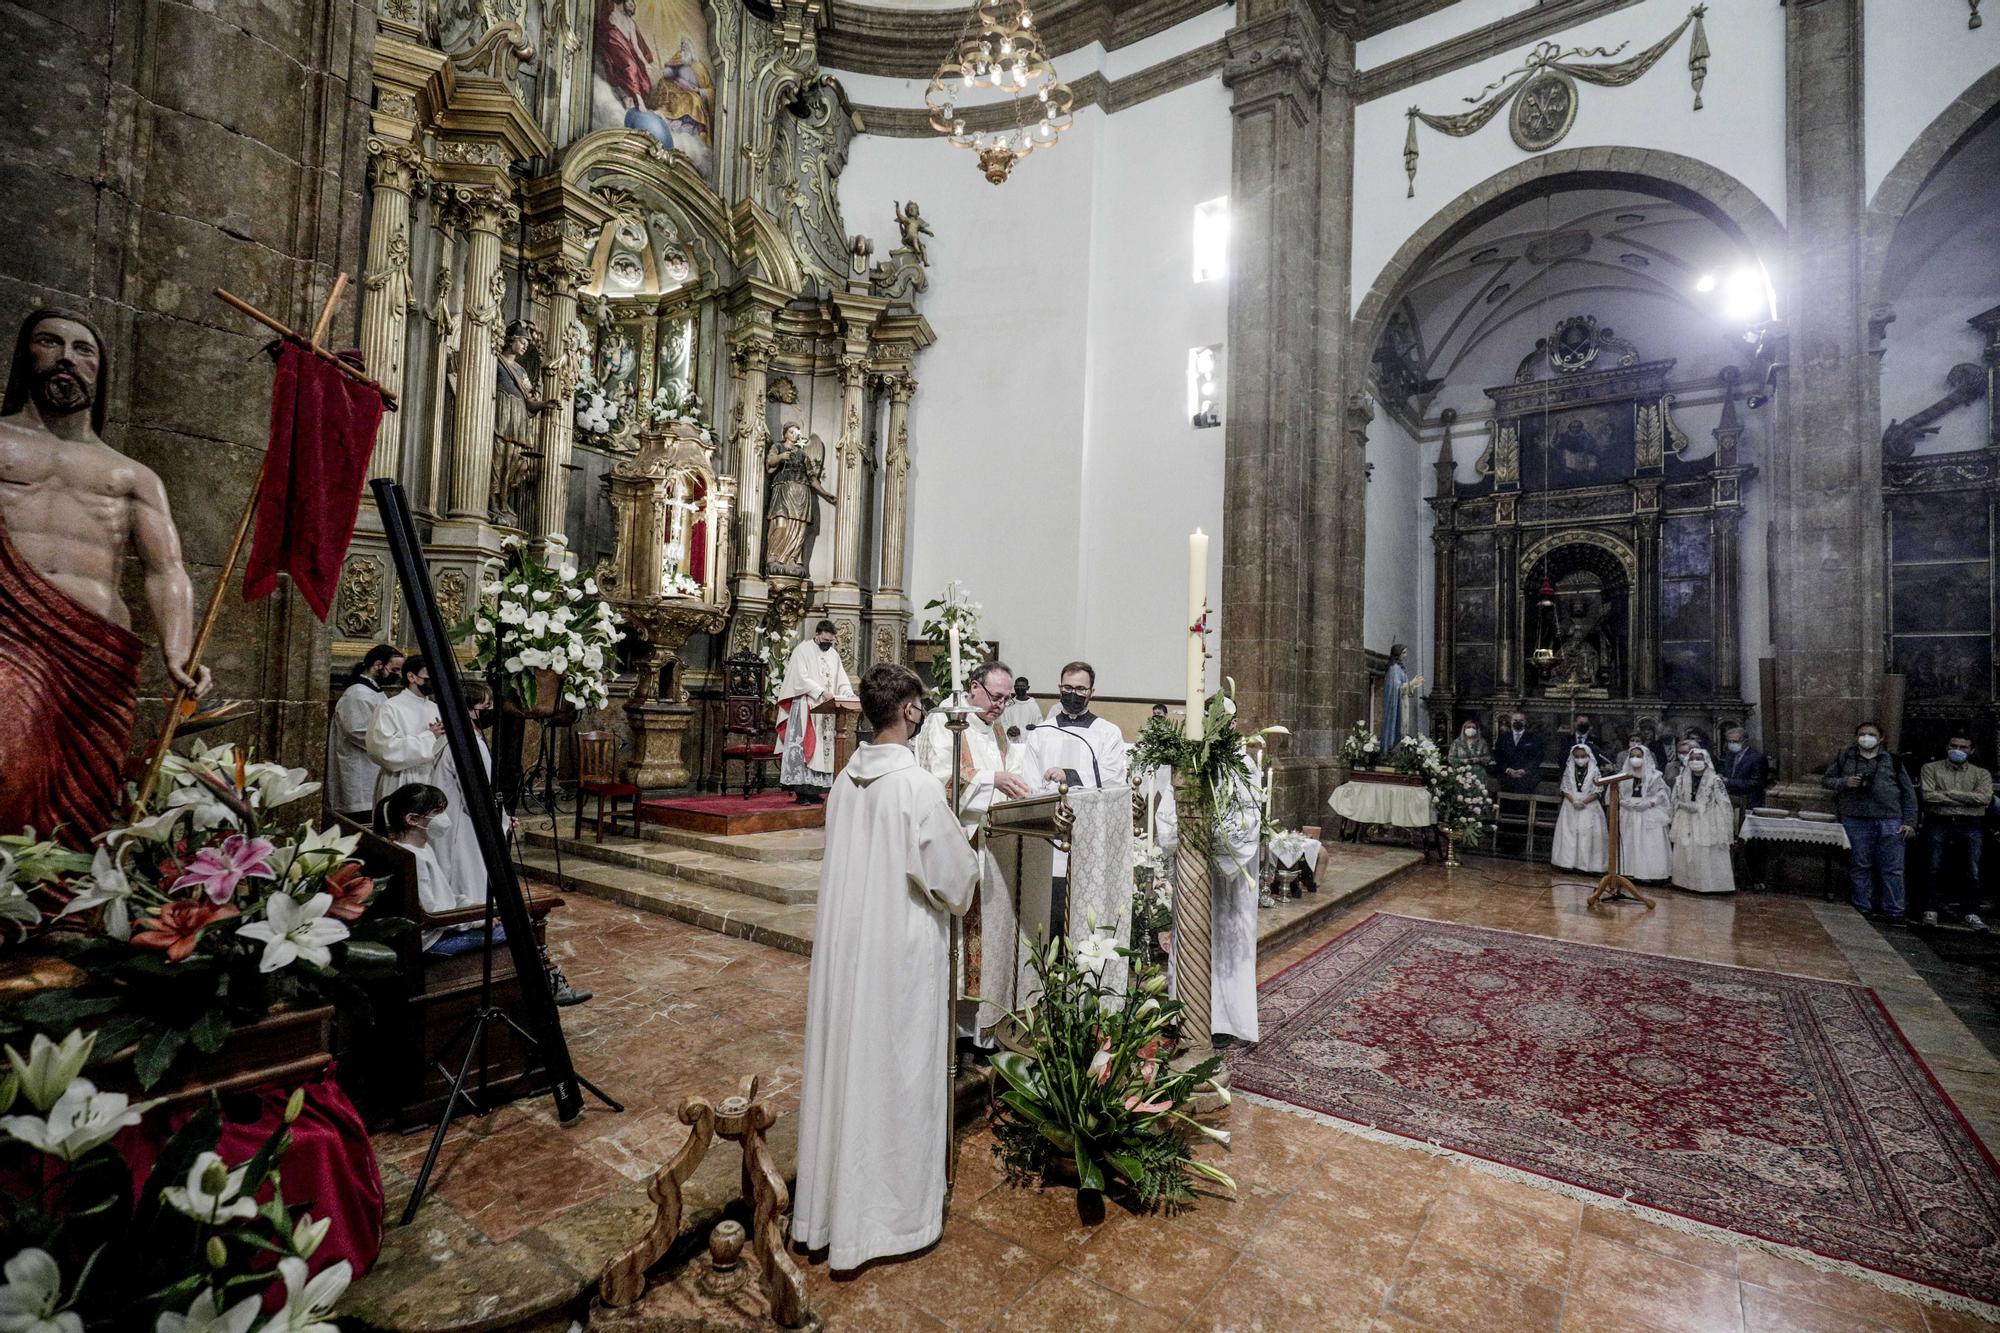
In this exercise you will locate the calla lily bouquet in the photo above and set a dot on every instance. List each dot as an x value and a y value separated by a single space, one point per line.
1094 1086
189 1252
200 914
539 617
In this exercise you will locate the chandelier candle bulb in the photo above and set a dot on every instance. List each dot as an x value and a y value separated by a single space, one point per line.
1197 590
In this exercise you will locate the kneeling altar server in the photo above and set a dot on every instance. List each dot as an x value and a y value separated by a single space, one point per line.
873 1112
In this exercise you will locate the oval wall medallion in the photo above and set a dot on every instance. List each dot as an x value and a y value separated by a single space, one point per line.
1543 111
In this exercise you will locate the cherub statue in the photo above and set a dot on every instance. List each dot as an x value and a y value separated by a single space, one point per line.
911 223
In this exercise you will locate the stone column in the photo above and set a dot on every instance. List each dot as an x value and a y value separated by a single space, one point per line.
1825 475
1645 673
896 487
749 439
848 499
393 169
555 430
486 210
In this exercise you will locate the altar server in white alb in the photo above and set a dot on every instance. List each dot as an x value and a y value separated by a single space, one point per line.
406 735
1076 746
872 1109
350 773
1643 819
1582 833
457 847
813 674
1703 827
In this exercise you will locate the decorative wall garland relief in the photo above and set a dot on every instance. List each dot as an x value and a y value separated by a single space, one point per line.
1543 90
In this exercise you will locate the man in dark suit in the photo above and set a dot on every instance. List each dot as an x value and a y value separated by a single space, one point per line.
1745 771
1517 756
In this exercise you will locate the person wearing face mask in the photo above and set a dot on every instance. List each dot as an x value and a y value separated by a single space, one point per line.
350 773
1678 764
1583 731
1956 793
1582 839
1076 746
813 674
1020 713
1878 808
1469 748
1517 756
1644 820
872 1105
1745 771
406 735
415 816
1704 825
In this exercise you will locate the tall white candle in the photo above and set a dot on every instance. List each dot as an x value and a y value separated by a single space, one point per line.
1197 596
957 672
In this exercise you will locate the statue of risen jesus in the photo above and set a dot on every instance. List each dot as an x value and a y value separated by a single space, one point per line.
70 505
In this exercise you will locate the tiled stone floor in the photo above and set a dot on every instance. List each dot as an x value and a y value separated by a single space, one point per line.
1329 1231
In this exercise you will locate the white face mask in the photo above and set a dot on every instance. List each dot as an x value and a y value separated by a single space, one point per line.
439 823
1638 761
1697 765
1868 742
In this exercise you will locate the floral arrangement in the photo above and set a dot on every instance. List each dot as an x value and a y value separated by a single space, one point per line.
540 617
1288 847
678 404
1359 747
1152 896
774 647
1218 760
201 914
191 1252
1094 1086
956 607
1461 806
597 412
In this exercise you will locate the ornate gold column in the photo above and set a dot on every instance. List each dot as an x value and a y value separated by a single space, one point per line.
896 486
557 280
750 350
848 498
485 210
393 170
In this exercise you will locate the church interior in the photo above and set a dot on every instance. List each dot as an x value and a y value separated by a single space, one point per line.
524 519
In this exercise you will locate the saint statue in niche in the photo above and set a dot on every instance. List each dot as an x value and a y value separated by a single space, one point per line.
516 405
794 466
1585 657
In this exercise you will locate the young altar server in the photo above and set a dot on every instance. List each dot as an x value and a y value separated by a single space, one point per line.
1643 818
406 735
1075 745
813 674
414 816
1582 833
1704 826
874 1110
350 773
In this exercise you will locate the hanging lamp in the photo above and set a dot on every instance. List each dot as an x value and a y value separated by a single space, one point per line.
999 51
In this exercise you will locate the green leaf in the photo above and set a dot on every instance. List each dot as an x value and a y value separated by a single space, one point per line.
1089 1175
367 953
1019 1071
210 1031
62 1008
157 1050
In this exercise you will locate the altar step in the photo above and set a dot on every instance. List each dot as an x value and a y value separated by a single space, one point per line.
1345 870
787 926
781 874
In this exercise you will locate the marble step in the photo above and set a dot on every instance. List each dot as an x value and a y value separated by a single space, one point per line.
1345 871
787 926
785 882
806 844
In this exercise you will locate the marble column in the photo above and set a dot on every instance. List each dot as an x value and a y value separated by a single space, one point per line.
896 487
848 498
1825 470
555 430
393 169
749 439
486 210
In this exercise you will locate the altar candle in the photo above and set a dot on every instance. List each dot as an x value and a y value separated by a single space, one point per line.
957 674
1197 595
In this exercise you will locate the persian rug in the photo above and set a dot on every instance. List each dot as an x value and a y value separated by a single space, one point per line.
1785 1108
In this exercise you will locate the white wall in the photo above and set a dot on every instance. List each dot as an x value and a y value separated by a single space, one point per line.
1398 552
1738 130
1917 58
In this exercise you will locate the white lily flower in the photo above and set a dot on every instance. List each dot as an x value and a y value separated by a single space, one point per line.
82 1119
309 1303
276 785
590 587
543 595
593 658
493 589
14 904
559 664
331 841
512 665
108 889
206 1315
208 812
34 1289
293 930
50 1068
308 1232
483 625
512 613
213 1193
1094 952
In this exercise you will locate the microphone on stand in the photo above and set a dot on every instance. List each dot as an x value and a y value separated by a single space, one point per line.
1096 773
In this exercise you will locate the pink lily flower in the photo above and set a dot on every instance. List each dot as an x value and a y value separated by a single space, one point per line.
216 871
1100 1064
1137 1107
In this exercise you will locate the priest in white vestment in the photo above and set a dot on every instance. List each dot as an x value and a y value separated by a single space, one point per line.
1704 825
406 735
874 1112
1582 832
813 674
350 773
1643 818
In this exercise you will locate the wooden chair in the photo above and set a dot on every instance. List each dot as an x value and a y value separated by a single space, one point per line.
744 713
597 776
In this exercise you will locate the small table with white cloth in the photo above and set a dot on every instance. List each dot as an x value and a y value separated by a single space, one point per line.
1383 800
1818 833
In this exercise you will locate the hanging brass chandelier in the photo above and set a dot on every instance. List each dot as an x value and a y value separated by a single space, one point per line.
999 52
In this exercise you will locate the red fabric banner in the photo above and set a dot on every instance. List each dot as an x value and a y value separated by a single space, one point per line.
322 432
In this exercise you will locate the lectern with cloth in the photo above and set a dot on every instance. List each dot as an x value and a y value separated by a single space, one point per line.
843 711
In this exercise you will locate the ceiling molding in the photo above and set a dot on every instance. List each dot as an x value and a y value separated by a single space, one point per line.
1093 89
1469 48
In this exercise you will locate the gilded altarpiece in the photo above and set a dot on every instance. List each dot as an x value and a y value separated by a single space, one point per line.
1592 566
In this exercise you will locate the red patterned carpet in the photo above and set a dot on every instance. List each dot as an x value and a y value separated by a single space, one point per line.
1782 1107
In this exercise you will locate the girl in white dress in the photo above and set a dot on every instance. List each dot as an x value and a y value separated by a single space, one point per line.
414 816
1703 827
1581 830
1643 819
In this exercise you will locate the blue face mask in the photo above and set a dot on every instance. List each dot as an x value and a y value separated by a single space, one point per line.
1957 756
1736 747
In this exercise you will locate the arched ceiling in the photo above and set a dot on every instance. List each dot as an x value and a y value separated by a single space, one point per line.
1957 212
1633 260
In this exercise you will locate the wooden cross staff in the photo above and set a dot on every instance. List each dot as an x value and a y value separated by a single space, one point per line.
1614 887
183 698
